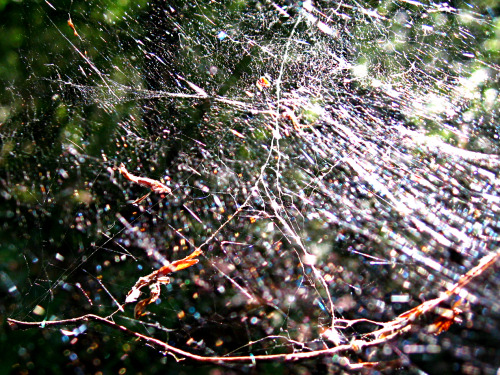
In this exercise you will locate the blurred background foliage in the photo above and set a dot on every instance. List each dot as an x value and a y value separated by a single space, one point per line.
77 101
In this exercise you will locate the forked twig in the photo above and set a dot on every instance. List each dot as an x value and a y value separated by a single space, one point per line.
405 320
390 331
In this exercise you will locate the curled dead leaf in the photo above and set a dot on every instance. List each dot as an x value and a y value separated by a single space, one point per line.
154 281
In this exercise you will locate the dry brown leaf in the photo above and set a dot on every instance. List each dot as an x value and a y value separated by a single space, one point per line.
154 281
154 185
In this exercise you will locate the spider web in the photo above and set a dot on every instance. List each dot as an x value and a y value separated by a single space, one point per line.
334 162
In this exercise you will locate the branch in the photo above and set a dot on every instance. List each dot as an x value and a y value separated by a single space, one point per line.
13 323
391 330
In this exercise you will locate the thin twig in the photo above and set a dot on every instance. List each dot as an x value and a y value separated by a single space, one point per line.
391 330
199 358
